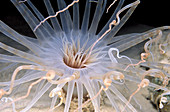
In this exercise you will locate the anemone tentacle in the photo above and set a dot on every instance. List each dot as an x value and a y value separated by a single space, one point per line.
37 96
97 16
40 17
116 28
85 22
19 38
113 17
54 21
32 21
65 17
76 20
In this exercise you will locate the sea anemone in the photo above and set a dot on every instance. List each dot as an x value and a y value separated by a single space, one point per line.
79 61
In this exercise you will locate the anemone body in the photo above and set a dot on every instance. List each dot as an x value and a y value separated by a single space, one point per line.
65 46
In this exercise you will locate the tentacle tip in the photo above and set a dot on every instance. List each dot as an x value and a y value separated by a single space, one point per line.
145 82
35 29
114 22
51 94
50 74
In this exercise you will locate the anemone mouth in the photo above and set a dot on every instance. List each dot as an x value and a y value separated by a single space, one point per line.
75 61
76 56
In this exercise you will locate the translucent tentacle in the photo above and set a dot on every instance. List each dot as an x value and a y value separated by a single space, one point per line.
80 95
122 98
39 87
97 15
97 89
65 17
18 38
40 17
53 102
76 17
14 59
37 97
69 95
54 21
136 39
32 21
21 53
112 100
31 76
116 28
33 40
58 12
4 61
112 18
11 65
86 17
88 86
121 37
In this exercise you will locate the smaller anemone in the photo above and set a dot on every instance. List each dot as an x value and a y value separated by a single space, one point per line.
76 59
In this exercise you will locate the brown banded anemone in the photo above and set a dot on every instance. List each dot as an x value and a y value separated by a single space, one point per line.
66 57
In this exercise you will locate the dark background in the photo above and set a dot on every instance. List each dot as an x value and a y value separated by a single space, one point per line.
153 13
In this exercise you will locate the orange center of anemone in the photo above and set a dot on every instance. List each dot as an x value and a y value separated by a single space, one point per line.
76 57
